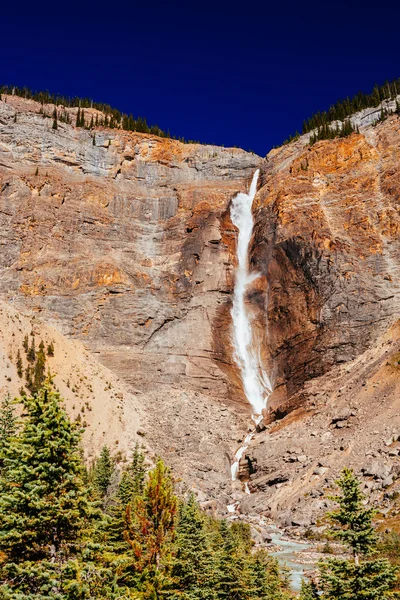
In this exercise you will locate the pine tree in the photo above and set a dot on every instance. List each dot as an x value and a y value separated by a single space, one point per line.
31 352
130 486
39 372
78 118
355 522
7 425
367 579
50 349
43 500
103 471
233 576
193 562
55 124
137 471
309 591
268 580
19 364
150 523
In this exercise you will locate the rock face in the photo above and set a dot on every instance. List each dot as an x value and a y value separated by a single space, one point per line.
123 241
327 240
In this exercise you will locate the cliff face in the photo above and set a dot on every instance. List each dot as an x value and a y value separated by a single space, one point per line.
124 242
327 240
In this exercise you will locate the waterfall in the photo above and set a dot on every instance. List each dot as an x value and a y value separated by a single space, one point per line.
256 383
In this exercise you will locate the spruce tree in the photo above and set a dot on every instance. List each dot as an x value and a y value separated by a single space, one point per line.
137 470
31 352
103 471
55 124
39 372
19 364
233 574
150 524
7 425
268 580
309 591
193 562
362 577
43 498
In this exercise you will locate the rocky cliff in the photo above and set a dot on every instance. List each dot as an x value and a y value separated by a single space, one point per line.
123 242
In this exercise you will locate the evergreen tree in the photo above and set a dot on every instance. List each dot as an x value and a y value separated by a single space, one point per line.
39 373
233 574
103 471
193 562
43 500
7 425
55 124
150 521
354 521
50 349
78 118
19 364
31 352
309 591
367 579
268 580
137 471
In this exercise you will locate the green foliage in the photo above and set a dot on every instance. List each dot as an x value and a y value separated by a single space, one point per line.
110 117
35 372
353 520
55 124
349 106
103 470
355 579
50 349
19 364
320 123
326 132
309 591
55 544
150 527
370 580
7 425
193 566
44 505
31 352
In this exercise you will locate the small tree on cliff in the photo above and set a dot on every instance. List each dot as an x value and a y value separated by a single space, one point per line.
361 577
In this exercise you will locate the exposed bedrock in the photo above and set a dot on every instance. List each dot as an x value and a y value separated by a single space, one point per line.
124 241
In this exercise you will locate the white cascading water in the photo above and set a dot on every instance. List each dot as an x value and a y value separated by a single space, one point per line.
256 383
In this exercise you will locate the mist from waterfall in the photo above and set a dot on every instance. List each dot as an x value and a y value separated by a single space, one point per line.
256 383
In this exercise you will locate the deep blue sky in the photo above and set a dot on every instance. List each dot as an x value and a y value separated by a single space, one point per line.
235 74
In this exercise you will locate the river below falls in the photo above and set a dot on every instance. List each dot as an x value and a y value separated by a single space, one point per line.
289 553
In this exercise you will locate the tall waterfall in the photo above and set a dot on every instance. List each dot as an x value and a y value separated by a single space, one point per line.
256 383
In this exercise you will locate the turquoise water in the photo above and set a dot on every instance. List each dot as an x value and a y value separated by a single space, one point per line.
287 555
